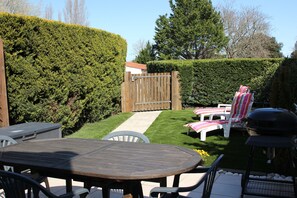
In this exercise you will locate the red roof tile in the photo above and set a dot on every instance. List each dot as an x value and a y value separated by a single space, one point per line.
136 65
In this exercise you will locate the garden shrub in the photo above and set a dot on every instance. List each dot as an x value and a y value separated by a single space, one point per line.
61 73
209 82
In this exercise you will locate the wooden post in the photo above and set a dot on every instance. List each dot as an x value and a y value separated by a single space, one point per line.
175 95
127 100
4 116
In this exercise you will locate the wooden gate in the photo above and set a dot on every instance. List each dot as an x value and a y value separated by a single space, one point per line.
146 92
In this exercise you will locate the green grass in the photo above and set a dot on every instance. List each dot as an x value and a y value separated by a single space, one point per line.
99 129
168 129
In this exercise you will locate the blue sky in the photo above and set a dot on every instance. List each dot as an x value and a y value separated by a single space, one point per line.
135 20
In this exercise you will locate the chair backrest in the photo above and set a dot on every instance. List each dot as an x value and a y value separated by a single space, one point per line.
210 177
126 136
16 185
241 105
208 180
6 141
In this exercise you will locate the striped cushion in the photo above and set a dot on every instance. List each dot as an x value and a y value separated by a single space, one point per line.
244 89
240 105
214 110
209 110
198 126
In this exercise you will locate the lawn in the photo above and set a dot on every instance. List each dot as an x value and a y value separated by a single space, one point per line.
99 129
168 129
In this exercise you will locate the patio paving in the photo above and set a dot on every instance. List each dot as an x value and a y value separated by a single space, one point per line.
225 186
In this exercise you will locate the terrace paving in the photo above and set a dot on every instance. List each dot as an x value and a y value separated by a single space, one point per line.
225 186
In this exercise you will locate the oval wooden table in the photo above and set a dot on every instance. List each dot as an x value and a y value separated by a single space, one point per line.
88 159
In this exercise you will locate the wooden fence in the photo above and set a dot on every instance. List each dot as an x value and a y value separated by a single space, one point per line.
146 92
4 117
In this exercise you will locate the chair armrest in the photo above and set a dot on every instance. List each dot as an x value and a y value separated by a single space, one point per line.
199 170
157 190
195 170
77 192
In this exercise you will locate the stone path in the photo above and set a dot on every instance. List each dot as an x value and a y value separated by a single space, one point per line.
139 121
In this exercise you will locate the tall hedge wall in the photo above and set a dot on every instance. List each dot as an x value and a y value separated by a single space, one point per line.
209 82
61 73
284 86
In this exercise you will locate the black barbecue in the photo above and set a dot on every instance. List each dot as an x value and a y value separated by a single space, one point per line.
272 122
270 128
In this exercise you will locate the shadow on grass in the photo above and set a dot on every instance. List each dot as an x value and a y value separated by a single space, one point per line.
234 149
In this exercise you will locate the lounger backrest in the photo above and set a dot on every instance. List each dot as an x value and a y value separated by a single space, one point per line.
241 105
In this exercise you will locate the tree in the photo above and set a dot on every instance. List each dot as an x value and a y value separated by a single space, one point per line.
273 47
247 30
259 46
19 7
294 53
75 12
138 46
48 12
193 30
146 54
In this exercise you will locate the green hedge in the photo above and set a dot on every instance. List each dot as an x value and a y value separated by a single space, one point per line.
284 86
209 82
61 73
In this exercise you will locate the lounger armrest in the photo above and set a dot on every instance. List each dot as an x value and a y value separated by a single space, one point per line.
224 105
224 116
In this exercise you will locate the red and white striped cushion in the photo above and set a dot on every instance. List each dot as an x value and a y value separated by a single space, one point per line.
244 89
240 106
208 110
214 110
198 126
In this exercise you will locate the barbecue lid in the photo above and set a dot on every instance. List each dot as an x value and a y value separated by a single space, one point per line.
272 121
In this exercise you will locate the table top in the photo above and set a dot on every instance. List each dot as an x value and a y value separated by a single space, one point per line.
100 159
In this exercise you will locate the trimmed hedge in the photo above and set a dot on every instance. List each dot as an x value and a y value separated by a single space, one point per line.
209 82
61 73
284 86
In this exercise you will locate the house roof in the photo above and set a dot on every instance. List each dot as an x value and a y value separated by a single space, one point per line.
136 65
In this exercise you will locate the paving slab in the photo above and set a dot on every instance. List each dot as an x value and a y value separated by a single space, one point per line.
139 121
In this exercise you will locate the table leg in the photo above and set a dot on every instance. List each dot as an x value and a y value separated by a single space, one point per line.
133 189
68 185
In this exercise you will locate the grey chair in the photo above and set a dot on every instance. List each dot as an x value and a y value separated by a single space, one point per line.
17 185
123 136
126 136
208 180
6 141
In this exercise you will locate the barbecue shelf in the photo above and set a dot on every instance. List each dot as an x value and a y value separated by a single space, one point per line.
267 187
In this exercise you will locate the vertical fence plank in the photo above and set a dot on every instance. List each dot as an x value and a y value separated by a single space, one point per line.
4 116
168 93
126 93
175 94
